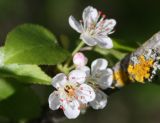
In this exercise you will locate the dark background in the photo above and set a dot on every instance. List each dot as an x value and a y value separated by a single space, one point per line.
137 20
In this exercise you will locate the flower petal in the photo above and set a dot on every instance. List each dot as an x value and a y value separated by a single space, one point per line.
54 102
109 24
77 76
100 101
105 42
106 79
88 39
85 69
90 15
59 80
75 24
97 65
71 109
85 93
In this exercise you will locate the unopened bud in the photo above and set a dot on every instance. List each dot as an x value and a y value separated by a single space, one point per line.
79 59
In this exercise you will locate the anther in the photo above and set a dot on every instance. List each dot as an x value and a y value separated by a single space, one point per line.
82 97
100 12
107 29
61 100
61 107
73 77
79 108
104 16
81 21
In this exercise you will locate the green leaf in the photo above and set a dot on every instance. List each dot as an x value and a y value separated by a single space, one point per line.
33 44
7 88
24 104
24 73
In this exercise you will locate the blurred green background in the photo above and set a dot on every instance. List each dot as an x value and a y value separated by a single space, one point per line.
137 20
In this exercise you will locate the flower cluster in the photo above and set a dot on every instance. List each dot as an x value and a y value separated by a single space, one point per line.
83 86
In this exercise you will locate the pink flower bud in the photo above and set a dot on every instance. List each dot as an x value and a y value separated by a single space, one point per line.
79 59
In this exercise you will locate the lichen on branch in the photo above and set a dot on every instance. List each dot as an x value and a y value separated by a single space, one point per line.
139 66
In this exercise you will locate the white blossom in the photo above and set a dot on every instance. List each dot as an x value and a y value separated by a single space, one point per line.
71 93
79 59
94 28
103 77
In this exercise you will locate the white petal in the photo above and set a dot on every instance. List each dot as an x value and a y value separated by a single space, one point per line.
54 101
59 80
71 109
105 42
88 39
106 79
77 76
109 24
90 15
85 93
85 69
100 101
75 24
97 65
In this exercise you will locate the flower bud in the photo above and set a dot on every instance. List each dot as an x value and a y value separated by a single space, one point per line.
79 59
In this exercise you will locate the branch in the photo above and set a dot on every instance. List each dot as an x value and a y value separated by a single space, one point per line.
125 70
